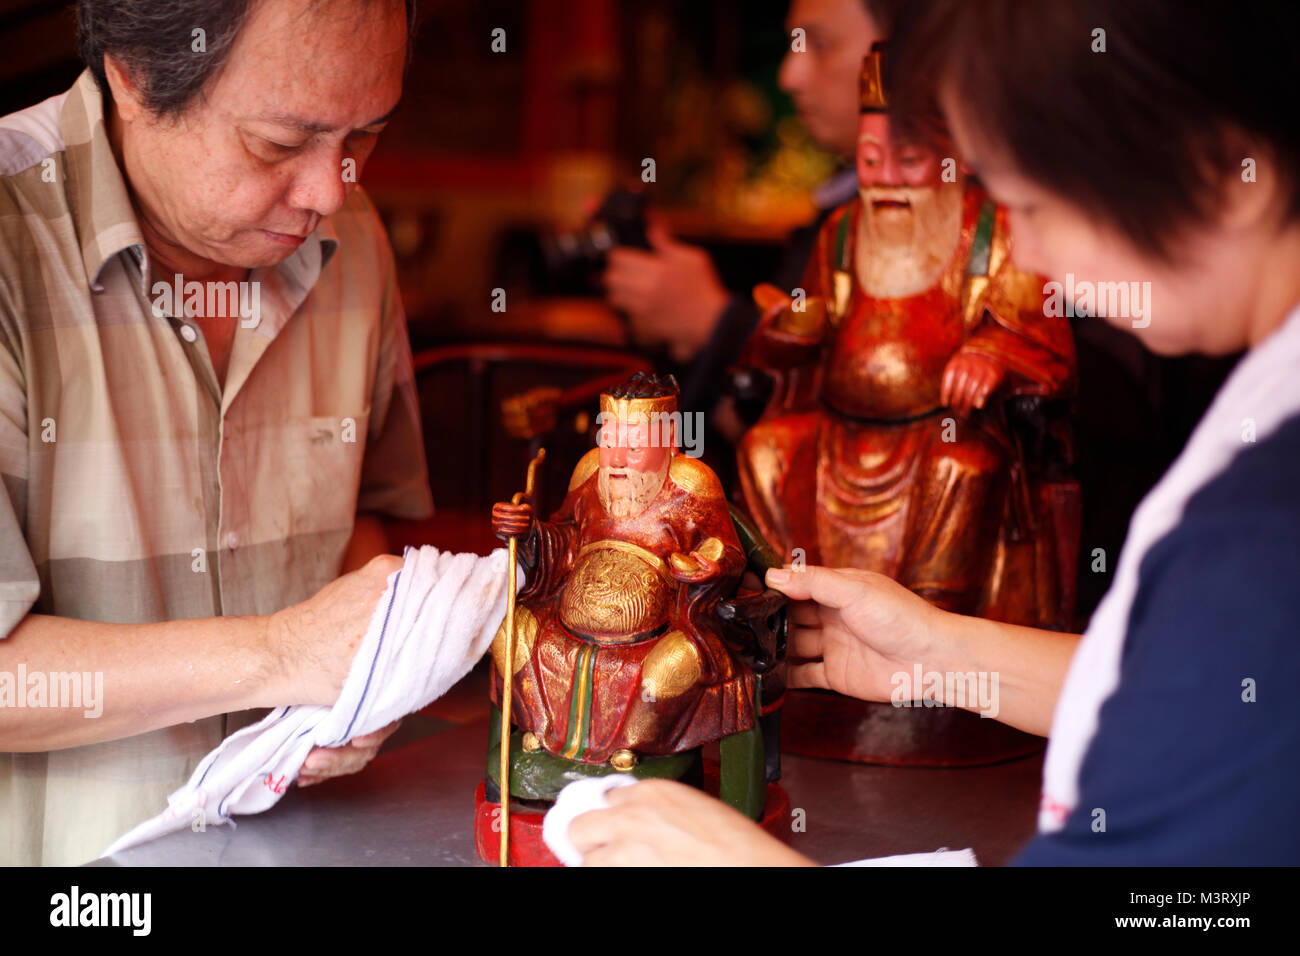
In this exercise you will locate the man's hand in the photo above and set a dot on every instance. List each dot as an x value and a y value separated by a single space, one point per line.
325 762
671 292
313 642
968 381
665 823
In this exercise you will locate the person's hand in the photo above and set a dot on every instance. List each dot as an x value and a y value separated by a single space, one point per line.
325 762
665 823
312 644
854 629
968 381
511 520
671 292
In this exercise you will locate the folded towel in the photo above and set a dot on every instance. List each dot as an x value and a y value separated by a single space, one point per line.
436 619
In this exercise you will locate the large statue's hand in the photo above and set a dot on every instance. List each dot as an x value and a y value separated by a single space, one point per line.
968 381
854 630
693 568
702 564
802 321
666 823
510 520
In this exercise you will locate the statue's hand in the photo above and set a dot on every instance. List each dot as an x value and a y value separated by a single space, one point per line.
694 568
803 321
510 520
968 381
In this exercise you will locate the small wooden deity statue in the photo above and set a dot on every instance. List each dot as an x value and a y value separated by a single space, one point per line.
627 655
887 444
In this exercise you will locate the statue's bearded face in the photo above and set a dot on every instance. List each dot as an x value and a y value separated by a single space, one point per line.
634 459
911 218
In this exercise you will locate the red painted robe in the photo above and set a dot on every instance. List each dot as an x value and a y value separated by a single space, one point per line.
857 463
611 652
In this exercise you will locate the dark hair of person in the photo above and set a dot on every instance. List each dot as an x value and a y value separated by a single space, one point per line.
155 40
1145 132
641 385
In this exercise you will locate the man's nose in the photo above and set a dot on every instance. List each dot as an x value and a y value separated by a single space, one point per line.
792 76
319 187
618 456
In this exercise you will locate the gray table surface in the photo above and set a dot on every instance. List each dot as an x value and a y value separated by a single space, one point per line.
413 806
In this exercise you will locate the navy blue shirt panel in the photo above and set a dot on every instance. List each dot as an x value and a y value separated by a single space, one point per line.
1185 768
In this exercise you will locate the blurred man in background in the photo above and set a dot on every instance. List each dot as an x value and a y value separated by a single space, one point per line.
672 293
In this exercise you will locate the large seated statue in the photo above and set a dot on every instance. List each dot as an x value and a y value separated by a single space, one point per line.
915 426
888 443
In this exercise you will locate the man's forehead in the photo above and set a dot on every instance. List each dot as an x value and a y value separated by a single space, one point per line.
317 66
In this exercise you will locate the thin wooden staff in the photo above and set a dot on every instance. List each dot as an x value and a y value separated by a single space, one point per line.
507 678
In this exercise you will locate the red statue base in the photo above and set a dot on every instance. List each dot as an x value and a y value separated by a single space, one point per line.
528 849
833 727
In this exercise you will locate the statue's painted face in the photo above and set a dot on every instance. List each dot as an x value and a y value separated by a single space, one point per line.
911 217
885 162
634 459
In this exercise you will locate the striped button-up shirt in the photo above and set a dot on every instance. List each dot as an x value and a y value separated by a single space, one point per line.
136 487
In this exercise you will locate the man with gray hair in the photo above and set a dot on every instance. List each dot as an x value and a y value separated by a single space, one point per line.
192 482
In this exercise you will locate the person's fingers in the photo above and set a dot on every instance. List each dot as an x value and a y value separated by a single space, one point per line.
625 853
805 614
376 737
631 296
599 827
627 259
660 238
807 642
832 587
325 762
811 674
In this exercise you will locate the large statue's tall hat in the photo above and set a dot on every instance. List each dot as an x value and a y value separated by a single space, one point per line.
871 82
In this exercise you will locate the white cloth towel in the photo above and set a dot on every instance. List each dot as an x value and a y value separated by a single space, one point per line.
436 618
582 796
940 857
574 800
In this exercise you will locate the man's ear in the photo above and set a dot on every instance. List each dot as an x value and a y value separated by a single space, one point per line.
126 92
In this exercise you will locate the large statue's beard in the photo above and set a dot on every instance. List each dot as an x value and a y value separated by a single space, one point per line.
902 250
628 497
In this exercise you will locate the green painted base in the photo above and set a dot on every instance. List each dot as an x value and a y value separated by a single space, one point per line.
541 776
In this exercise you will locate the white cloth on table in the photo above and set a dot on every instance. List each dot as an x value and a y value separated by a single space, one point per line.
438 614
940 857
